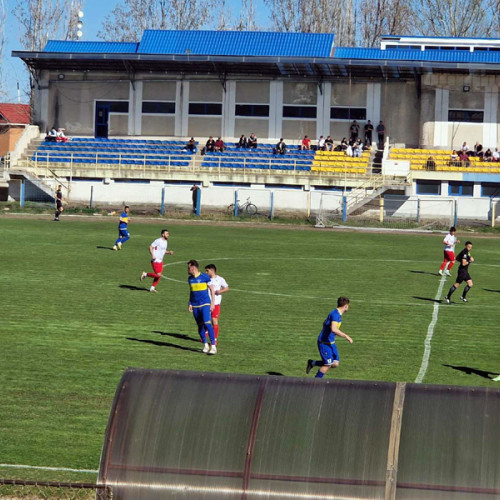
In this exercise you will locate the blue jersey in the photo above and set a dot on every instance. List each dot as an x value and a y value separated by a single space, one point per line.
326 335
123 221
198 286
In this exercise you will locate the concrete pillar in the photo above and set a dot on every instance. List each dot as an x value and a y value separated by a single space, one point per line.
441 117
490 125
275 109
135 109
323 110
373 103
43 112
228 109
181 108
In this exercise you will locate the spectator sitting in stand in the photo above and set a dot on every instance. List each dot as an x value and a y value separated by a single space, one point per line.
495 156
478 150
190 146
329 143
464 159
252 141
464 147
488 155
242 143
210 145
321 143
454 159
357 149
280 148
219 145
305 144
431 164
60 136
349 151
52 135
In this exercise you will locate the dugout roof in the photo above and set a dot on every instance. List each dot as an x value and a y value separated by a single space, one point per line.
270 54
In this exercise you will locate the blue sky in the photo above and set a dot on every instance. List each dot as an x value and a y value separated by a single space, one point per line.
13 69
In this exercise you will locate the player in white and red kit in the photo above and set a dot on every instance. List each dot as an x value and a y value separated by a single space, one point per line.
157 249
220 286
449 252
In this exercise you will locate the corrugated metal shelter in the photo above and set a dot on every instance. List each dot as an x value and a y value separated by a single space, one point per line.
206 435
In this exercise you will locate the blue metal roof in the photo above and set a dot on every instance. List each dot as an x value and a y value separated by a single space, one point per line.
237 43
448 56
91 47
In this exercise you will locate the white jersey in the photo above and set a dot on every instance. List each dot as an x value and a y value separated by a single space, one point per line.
450 241
159 248
218 282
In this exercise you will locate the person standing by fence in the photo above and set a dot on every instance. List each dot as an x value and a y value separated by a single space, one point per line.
59 202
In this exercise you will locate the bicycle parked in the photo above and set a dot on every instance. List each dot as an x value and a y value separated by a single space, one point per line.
248 208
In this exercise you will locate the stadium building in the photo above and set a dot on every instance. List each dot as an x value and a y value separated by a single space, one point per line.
431 93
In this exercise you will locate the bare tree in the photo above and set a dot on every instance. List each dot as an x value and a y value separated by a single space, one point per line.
3 16
315 16
382 17
247 21
41 20
457 18
129 19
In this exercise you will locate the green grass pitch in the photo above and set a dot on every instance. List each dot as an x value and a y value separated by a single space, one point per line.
74 315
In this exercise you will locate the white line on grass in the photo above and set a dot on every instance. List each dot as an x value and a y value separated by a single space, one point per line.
430 333
39 467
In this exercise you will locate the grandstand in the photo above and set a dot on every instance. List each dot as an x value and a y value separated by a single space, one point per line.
130 107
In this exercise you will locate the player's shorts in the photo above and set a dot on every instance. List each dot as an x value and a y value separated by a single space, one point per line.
216 311
463 275
328 353
449 256
123 233
59 204
157 267
202 314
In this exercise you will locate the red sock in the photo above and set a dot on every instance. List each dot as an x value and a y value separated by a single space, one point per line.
216 331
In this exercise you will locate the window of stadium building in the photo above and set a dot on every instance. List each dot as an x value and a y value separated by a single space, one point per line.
428 187
115 106
461 188
299 111
252 110
158 107
465 115
205 108
346 113
490 190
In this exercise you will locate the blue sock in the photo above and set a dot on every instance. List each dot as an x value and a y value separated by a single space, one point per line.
318 363
211 333
320 374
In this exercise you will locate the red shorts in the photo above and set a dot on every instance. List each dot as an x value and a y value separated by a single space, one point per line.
157 267
216 312
449 256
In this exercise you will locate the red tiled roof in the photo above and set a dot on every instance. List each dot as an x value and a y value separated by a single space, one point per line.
14 113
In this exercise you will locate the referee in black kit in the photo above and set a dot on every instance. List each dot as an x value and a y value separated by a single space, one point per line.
465 259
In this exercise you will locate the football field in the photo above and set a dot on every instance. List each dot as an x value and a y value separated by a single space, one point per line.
74 316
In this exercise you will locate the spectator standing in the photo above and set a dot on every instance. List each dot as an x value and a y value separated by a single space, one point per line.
252 141
368 133
194 190
59 202
280 148
354 129
306 143
381 134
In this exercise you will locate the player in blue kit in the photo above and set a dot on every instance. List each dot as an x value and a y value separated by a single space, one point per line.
201 304
326 340
123 235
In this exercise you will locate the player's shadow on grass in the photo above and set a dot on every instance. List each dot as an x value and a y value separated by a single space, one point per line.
180 336
104 248
490 290
473 371
424 272
164 344
278 374
428 299
136 288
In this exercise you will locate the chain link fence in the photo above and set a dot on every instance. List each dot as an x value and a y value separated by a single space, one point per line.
14 489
